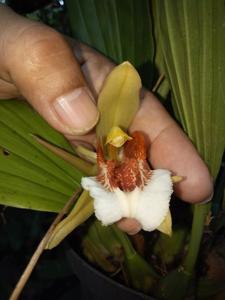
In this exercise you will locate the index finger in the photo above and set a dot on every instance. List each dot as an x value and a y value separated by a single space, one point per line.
170 148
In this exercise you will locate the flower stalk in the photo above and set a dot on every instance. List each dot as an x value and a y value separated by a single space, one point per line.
199 218
175 285
140 274
101 247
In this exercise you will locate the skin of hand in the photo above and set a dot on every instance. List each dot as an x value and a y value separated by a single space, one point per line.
62 78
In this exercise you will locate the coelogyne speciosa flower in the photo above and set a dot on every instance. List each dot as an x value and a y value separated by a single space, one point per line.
125 186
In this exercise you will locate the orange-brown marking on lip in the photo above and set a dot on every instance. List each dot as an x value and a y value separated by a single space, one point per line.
133 171
106 169
136 148
127 174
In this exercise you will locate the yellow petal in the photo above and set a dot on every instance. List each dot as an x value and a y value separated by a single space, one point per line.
118 100
82 210
117 137
166 225
176 179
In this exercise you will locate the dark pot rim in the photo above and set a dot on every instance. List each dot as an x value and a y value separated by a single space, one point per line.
74 258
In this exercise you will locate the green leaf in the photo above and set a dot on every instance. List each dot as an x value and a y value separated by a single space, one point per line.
101 247
191 38
140 274
173 286
31 176
82 210
121 30
169 248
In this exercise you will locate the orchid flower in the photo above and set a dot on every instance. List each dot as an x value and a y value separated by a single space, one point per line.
126 186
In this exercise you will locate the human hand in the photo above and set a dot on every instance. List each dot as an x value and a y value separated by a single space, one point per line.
169 147
37 63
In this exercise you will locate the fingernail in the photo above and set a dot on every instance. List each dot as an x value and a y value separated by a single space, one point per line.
207 200
77 110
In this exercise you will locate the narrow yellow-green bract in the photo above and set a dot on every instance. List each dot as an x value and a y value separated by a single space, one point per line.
119 99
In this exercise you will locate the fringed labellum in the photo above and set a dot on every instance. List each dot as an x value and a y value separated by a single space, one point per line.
125 186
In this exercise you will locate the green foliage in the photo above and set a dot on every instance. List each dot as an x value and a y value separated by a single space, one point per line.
112 251
191 39
30 175
122 30
168 248
102 248
191 42
173 286
140 273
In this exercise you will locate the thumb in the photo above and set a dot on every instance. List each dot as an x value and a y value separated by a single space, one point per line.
41 64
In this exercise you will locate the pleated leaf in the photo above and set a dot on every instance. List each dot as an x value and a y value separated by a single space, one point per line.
166 226
191 38
122 30
31 176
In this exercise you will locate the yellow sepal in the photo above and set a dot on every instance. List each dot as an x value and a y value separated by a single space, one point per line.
166 225
118 100
176 179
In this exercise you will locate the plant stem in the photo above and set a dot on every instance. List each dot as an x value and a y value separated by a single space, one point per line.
34 259
200 213
125 242
158 82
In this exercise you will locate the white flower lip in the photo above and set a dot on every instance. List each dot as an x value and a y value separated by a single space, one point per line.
149 205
